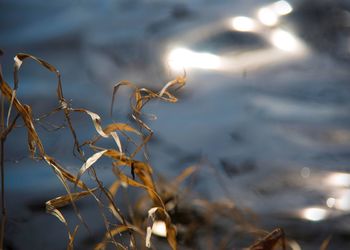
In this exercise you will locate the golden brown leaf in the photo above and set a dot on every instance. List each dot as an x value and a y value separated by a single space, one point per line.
89 162
325 243
120 127
270 241
180 81
64 200
184 174
55 212
125 180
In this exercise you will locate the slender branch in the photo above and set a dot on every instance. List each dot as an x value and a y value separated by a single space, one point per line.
2 142
3 207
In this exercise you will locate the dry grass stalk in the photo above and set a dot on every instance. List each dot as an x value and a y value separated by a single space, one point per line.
139 169
163 202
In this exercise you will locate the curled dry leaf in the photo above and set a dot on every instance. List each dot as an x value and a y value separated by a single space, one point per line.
116 88
117 140
89 162
55 212
142 96
64 200
96 119
20 57
112 129
120 127
50 208
97 122
179 81
125 181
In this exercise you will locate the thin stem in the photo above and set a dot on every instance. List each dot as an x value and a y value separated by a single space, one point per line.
3 207
2 142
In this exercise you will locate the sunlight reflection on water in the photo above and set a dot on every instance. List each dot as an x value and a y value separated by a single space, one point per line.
314 213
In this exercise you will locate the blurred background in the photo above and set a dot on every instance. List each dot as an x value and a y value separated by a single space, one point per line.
266 106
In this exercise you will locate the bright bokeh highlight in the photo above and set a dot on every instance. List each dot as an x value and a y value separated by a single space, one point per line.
330 202
267 16
242 23
343 201
314 213
282 8
338 179
159 228
305 172
182 58
285 41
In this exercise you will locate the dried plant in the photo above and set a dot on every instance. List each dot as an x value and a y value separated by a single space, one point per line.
141 172
163 204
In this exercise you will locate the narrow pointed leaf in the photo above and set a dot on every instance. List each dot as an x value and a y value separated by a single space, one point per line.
89 162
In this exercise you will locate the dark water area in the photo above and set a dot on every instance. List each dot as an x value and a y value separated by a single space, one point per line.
268 123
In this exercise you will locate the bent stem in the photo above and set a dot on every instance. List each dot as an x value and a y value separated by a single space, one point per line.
2 143
3 207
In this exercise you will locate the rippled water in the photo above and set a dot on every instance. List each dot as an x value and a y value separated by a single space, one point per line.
276 135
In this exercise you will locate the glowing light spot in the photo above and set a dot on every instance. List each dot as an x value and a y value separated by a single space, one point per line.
285 41
267 16
159 228
338 179
305 172
343 202
242 23
181 58
314 213
330 202
282 8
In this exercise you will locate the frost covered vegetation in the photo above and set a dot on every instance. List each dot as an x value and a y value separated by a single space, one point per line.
167 209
